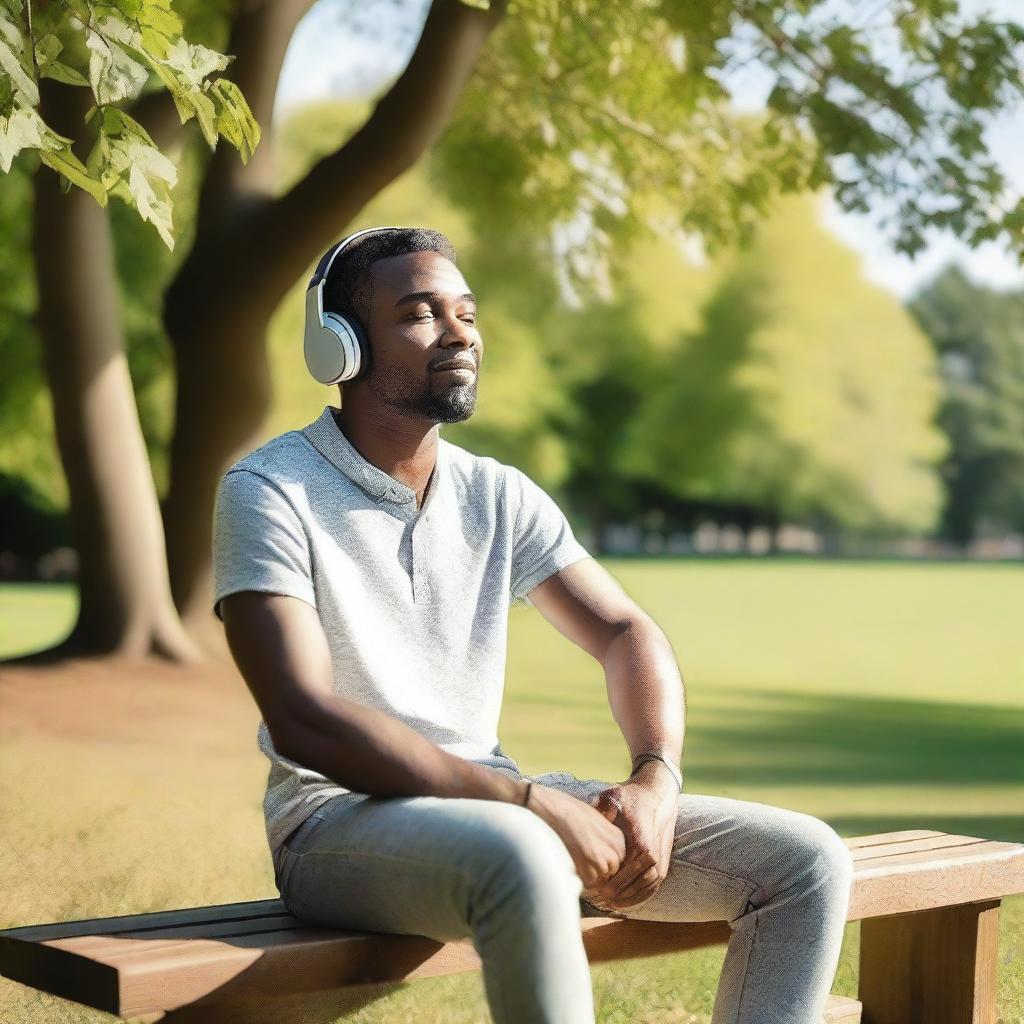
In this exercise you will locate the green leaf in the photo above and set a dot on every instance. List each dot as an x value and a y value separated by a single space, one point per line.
64 161
194 62
156 44
206 114
24 129
62 73
7 96
227 119
174 87
12 49
234 119
47 49
158 16
127 162
113 74
152 201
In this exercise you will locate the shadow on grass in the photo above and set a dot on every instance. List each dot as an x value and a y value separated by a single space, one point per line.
786 737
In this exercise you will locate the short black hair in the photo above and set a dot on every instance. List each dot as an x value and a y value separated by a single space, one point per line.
349 287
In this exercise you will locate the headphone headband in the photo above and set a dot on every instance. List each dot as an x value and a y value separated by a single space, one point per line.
324 266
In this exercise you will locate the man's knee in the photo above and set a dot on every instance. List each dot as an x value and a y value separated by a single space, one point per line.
822 860
799 853
834 858
524 858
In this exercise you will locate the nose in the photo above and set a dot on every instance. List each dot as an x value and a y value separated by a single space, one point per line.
457 331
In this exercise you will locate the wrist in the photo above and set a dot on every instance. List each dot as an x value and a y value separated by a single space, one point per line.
531 796
525 794
656 776
671 766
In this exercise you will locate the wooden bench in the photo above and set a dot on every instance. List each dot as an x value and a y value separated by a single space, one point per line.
928 903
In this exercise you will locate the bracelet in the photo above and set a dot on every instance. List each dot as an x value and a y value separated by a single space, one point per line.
654 755
526 799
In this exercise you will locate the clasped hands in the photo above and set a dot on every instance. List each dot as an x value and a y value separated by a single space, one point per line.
646 813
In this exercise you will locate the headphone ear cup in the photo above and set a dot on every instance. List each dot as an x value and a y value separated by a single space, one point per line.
336 346
355 348
332 349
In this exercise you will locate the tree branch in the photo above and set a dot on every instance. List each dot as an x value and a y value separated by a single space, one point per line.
259 39
404 123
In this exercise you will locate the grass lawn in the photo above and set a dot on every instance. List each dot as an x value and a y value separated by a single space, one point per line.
877 696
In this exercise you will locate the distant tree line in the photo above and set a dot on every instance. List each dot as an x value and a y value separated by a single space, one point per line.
557 143
772 386
978 335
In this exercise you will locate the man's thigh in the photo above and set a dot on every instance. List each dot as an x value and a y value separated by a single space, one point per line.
758 850
414 865
726 854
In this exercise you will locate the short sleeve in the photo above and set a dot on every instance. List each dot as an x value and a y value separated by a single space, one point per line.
543 541
259 542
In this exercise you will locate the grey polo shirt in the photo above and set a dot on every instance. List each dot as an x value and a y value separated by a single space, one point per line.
414 603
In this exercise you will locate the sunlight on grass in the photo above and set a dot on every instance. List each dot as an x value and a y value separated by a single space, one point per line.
34 615
877 697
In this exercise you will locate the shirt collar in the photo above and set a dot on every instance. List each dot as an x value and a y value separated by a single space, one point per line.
325 435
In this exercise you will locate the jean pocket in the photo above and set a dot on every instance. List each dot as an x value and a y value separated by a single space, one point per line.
294 842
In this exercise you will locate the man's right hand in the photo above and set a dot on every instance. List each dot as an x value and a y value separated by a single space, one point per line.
596 845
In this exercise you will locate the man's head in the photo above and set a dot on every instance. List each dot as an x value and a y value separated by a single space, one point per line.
404 287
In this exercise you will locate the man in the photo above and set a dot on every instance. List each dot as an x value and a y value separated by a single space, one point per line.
364 570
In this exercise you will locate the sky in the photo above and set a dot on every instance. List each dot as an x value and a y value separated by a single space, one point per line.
326 58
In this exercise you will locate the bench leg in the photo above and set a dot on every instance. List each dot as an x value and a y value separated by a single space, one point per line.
931 966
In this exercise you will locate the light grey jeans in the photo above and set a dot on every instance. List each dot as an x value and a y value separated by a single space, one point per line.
496 873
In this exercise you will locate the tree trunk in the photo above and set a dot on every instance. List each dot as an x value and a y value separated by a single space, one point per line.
251 247
125 605
144 579
224 395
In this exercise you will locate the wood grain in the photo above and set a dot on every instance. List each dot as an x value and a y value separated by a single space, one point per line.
928 901
934 967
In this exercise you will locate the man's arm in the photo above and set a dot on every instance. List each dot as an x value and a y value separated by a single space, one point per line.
280 648
584 602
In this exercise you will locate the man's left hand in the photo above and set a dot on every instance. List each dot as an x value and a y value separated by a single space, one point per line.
646 808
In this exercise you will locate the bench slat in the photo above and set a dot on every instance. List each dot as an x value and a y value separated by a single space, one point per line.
949 858
154 919
931 879
941 842
883 838
147 964
86 945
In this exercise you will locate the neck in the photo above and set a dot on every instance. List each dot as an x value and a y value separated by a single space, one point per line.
404 449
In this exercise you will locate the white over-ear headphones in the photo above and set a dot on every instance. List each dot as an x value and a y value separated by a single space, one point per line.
336 345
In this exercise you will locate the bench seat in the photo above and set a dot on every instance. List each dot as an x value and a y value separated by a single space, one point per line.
909 886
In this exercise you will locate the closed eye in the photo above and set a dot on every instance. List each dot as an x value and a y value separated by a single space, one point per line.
470 318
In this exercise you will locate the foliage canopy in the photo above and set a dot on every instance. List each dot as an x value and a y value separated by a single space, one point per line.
115 48
605 119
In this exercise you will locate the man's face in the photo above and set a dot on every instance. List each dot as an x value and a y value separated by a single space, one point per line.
422 313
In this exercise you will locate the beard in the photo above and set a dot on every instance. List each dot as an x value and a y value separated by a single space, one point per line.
432 399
